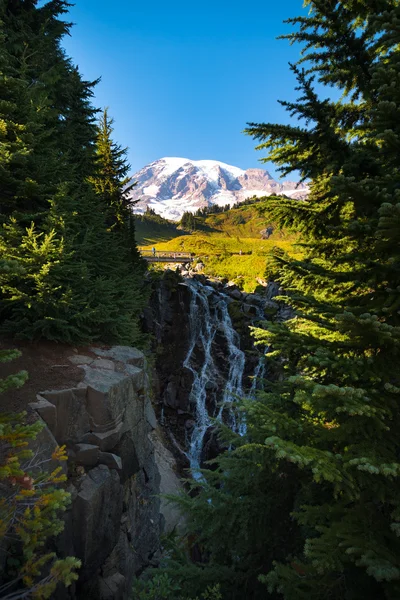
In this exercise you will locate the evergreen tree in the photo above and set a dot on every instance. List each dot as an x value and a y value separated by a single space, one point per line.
30 498
335 415
188 221
77 281
111 179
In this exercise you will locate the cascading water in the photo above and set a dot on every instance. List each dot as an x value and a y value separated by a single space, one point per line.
202 332
208 315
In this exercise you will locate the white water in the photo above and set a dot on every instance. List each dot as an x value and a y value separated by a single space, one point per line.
202 332
209 314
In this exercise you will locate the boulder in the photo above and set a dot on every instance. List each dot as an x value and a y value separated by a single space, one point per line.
103 363
47 411
87 454
249 309
170 395
235 294
80 359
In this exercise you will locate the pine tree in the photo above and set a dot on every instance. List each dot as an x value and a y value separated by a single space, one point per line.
78 281
188 221
111 179
335 415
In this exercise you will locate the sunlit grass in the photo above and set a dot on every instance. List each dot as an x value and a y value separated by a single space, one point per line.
221 255
229 244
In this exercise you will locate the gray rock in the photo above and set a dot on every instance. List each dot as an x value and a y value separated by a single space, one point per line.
80 359
235 294
101 379
170 395
249 309
105 441
72 420
103 363
255 299
150 414
124 354
111 460
46 410
96 515
137 376
112 588
87 454
127 451
169 484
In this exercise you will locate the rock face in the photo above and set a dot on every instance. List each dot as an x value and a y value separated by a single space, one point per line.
113 523
201 331
171 186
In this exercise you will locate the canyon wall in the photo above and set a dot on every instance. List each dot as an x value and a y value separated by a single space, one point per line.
114 521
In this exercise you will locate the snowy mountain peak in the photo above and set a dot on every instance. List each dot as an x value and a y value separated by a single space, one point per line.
173 185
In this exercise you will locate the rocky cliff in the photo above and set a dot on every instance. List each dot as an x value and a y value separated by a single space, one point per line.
109 427
205 356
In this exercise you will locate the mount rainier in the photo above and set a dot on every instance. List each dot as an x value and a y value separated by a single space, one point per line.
171 186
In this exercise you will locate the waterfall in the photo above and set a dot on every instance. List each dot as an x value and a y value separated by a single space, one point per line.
208 314
202 332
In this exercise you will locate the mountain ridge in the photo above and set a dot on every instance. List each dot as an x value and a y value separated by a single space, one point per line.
173 185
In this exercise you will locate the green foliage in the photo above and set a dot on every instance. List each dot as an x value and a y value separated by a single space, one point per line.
334 417
63 205
30 500
188 221
152 228
29 503
161 587
219 238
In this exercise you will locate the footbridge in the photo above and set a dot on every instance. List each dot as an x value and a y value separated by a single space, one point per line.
167 257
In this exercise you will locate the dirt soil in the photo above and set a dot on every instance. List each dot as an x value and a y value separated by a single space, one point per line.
48 368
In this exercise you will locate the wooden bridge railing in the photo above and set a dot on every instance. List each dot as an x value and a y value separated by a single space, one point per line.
165 256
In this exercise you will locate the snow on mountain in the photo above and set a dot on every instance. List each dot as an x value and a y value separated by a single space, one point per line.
172 185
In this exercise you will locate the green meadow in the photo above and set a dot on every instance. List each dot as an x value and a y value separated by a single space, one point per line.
229 244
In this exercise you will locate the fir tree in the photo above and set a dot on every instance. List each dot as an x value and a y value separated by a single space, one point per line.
112 180
30 499
78 280
335 416
188 221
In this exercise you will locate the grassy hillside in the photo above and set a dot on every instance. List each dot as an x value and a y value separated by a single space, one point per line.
218 241
151 228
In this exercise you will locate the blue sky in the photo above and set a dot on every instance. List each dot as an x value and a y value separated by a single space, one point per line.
183 78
